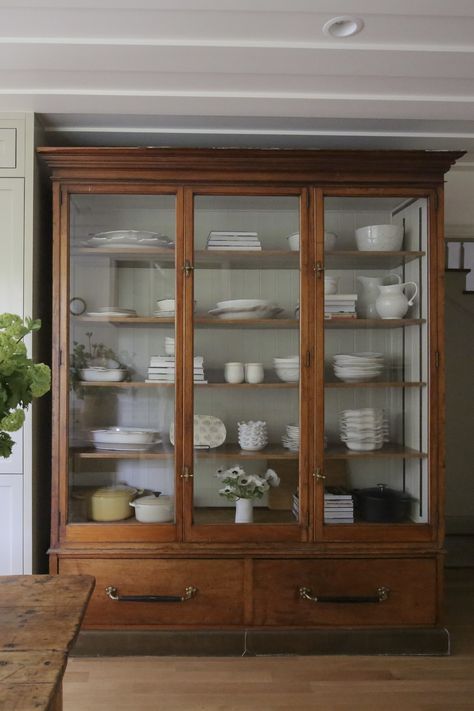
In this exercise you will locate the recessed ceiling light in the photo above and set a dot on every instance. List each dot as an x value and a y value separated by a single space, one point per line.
343 26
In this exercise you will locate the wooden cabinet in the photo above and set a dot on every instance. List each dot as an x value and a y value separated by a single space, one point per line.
227 329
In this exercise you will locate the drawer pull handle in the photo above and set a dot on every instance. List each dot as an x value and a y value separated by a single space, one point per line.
381 595
113 594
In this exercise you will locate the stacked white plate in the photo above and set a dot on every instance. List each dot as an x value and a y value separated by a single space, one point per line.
288 369
291 438
246 309
358 367
363 430
112 311
253 435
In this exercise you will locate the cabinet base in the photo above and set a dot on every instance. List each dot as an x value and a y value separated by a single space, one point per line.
251 642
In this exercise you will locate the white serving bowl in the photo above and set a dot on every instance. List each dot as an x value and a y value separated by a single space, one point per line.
294 242
103 375
383 238
288 375
243 304
330 240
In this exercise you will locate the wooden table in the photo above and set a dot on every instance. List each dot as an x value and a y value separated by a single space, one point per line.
40 618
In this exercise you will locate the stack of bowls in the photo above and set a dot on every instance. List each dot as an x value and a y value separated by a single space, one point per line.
358 367
291 438
165 308
253 435
288 369
363 430
169 345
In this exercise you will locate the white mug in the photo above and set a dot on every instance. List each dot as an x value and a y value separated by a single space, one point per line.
234 372
254 372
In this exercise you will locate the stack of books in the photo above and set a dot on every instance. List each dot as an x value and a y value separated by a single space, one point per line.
162 369
245 241
340 306
338 505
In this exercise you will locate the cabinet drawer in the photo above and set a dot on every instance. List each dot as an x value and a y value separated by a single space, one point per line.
411 600
218 599
8 148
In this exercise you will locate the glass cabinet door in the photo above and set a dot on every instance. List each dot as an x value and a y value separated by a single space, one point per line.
376 367
247 380
121 302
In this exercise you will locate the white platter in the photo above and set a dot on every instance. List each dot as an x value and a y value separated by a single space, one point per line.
129 238
209 431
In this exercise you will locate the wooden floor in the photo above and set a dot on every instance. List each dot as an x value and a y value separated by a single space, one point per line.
319 683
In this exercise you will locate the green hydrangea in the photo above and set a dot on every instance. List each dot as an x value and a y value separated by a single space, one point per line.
20 379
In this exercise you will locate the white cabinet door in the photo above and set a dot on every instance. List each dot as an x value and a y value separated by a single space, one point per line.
11 289
11 517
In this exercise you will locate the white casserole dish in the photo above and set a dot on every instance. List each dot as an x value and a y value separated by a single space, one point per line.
153 508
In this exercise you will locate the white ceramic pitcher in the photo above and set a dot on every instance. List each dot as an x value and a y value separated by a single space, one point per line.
392 302
368 292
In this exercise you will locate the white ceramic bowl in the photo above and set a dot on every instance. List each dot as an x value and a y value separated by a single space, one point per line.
288 375
383 238
165 305
330 240
242 304
103 375
294 242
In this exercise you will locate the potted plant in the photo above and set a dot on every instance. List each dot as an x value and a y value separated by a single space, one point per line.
21 380
244 489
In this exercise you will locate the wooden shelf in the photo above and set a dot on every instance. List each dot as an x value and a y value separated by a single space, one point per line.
213 322
203 259
372 322
131 254
226 514
375 384
353 259
129 384
128 320
233 451
226 451
388 450
91 453
239 259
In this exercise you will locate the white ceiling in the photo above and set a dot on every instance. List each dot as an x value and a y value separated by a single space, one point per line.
241 72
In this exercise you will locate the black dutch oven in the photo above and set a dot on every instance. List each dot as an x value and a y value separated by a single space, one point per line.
379 504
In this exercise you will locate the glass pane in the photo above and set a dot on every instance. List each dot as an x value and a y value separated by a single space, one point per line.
376 362
121 347
246 350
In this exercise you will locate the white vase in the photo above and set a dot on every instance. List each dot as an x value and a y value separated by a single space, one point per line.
244 511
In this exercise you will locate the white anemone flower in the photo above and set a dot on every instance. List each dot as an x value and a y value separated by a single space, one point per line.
272 477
